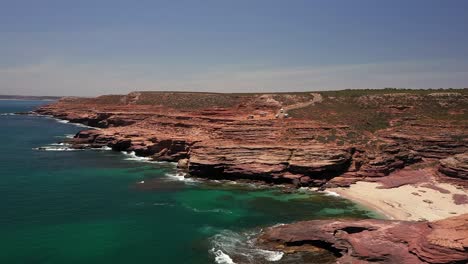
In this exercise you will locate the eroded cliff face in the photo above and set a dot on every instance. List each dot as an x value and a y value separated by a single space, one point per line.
374 241
308 139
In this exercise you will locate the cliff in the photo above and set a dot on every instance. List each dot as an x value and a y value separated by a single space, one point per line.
308 139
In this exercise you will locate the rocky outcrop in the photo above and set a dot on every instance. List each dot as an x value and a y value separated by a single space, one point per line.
307 166
455 166
429 140
375 241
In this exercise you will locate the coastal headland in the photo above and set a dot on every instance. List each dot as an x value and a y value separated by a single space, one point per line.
401 152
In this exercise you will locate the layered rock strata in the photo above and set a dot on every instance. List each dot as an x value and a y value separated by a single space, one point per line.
375 241
248 136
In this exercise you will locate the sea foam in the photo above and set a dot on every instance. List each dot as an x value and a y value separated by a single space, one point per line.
75 124
180 176
132 156
240 246
221 257
55 148
330 193
103 148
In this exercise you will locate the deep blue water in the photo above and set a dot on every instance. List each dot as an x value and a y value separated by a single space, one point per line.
89 207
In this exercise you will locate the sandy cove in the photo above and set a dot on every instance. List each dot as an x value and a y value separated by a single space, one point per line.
411 194
407 202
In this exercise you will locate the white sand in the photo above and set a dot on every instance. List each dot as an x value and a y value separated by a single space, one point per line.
401 204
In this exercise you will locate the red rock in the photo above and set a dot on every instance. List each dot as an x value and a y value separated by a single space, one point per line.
455 166
460 198
434 187
213 132
381 241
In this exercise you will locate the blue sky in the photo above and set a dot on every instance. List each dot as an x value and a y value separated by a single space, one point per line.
110 46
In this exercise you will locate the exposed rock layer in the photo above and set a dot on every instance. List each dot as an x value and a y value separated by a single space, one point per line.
455 166
248 136
380 241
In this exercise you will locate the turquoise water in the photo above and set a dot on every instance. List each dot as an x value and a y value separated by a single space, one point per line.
92 207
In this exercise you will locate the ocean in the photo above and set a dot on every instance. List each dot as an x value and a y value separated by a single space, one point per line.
60 205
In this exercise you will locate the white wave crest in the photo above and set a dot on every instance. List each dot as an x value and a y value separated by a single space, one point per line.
279 224
179 176
40 115
60 144
85 126
55 148
308 189
273 255
103 148
7 114
66 121
221 257
330 193
132 156
241 247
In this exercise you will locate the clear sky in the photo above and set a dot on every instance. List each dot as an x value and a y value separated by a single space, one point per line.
91 47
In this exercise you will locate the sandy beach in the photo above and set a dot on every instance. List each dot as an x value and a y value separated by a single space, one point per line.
408 202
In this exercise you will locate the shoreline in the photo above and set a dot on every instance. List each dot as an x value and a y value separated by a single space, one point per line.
343 193
393 203
407 202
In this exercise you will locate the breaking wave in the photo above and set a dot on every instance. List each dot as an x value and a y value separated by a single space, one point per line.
71 123
56 148
132 156
7 114
103 148
180 176
85 126
330 193
221 257
59 144
229 246
63 121
66 136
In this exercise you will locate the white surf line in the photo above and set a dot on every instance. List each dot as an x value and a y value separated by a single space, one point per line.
228 244
63 121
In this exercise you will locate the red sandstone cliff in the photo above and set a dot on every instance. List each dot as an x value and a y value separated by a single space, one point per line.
234 136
